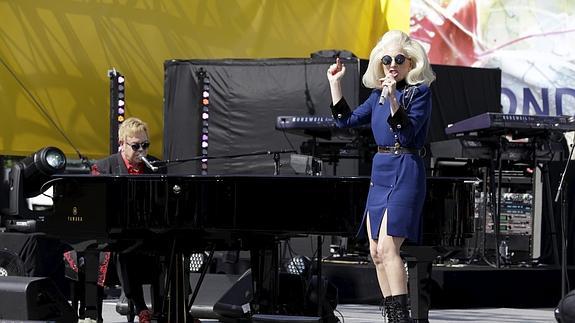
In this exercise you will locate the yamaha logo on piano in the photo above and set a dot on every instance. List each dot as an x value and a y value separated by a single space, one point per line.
74 217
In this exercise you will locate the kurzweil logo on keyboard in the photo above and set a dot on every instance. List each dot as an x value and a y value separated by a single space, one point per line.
304 122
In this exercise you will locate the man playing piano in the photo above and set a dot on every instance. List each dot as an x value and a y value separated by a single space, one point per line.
398 110
132 266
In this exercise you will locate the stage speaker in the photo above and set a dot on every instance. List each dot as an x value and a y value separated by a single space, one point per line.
565 310
33 255
235 302
11 264
297 296
33 298
212 291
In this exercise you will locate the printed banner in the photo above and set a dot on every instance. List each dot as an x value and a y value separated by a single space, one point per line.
530 41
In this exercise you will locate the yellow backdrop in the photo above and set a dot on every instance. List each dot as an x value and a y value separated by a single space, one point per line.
57 54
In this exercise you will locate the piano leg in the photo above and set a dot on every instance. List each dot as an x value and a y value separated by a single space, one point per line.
320 291
178 288
200 280
419 276
92 291
265 273
419 265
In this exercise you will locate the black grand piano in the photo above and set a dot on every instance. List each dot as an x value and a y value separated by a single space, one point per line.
112 207
180 214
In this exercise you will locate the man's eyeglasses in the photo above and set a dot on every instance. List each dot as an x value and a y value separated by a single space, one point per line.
136 146
399 59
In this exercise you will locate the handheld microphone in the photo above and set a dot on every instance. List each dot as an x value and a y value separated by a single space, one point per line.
149 164
384 94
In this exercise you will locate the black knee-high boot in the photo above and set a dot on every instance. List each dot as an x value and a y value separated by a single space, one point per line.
398 309
386 308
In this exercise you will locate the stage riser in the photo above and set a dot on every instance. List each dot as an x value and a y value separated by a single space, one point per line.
451 288
490 287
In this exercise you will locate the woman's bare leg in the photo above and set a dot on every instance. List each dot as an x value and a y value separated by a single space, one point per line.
379 268
385 253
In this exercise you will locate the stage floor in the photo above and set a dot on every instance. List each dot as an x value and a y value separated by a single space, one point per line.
360 313
460 287
459 294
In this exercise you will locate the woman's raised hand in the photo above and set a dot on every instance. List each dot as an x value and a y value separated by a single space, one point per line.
335 71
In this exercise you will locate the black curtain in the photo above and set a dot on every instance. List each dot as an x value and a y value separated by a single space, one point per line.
247 95
245 98
460 93
551 215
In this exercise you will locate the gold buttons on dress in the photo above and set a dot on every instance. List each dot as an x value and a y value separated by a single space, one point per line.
396 147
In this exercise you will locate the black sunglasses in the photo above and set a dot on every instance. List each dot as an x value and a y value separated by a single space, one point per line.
399 59
136 146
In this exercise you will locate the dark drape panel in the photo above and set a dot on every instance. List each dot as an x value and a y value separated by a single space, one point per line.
182 114
551 223
460 93
245 98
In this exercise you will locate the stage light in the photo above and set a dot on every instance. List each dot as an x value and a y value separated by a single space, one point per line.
27 178
197 260
205 115
117 106
299 265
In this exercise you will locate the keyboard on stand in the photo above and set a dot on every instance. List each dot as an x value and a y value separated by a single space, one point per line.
519 126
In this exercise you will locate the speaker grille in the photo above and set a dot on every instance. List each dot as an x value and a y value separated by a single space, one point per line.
11 264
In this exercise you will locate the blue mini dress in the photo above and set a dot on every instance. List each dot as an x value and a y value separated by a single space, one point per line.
398 181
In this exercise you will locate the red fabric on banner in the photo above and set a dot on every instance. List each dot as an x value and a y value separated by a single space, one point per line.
449 43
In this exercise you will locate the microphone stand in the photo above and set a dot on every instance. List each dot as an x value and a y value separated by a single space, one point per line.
276 163
563 214
274 153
